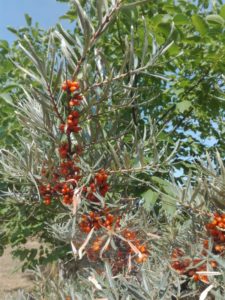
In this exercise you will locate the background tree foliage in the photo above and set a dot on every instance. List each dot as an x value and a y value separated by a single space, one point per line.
151 73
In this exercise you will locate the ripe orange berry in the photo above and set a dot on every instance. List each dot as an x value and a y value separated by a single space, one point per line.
214 222
96 247
213 264
196 277
142 258
74 102
92 186
86 229
75 84
219 248
206 244
204 278
47 201
142 248
220 224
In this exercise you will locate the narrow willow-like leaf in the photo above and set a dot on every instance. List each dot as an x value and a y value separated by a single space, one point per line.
31 53
86 25
111 280
100 7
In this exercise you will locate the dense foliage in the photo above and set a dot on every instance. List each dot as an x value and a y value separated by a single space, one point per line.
109 161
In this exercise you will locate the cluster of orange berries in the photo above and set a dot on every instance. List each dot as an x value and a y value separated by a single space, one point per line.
67 171
75 98
46 192
70 86
119 257
67 193
71 124
190 267
64 150
132 237
98 184
58 189
216 229
97 220
65 178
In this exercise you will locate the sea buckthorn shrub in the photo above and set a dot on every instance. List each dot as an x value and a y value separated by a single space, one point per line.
94 181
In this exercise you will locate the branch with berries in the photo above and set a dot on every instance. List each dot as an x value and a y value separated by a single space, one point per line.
110 240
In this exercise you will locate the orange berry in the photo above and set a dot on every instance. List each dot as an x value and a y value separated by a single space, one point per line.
110 218
72 89
86 229
220 224
196 277
214 222
218 248
75 114
204 278
213 264
177 253
142 258
47 201
64 87
222 238
96 247
75 84
206 244
74 102
142 248
92 186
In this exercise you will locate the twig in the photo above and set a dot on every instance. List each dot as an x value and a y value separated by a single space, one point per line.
54 103
95 36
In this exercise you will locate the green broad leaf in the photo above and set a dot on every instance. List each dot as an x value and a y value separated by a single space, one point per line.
164 28
215 19
28 19
180 19
183 106
222 11
200 24
160 18
174 50
169 205
150 198
167 187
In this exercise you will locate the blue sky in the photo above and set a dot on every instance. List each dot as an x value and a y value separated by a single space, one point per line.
45 12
